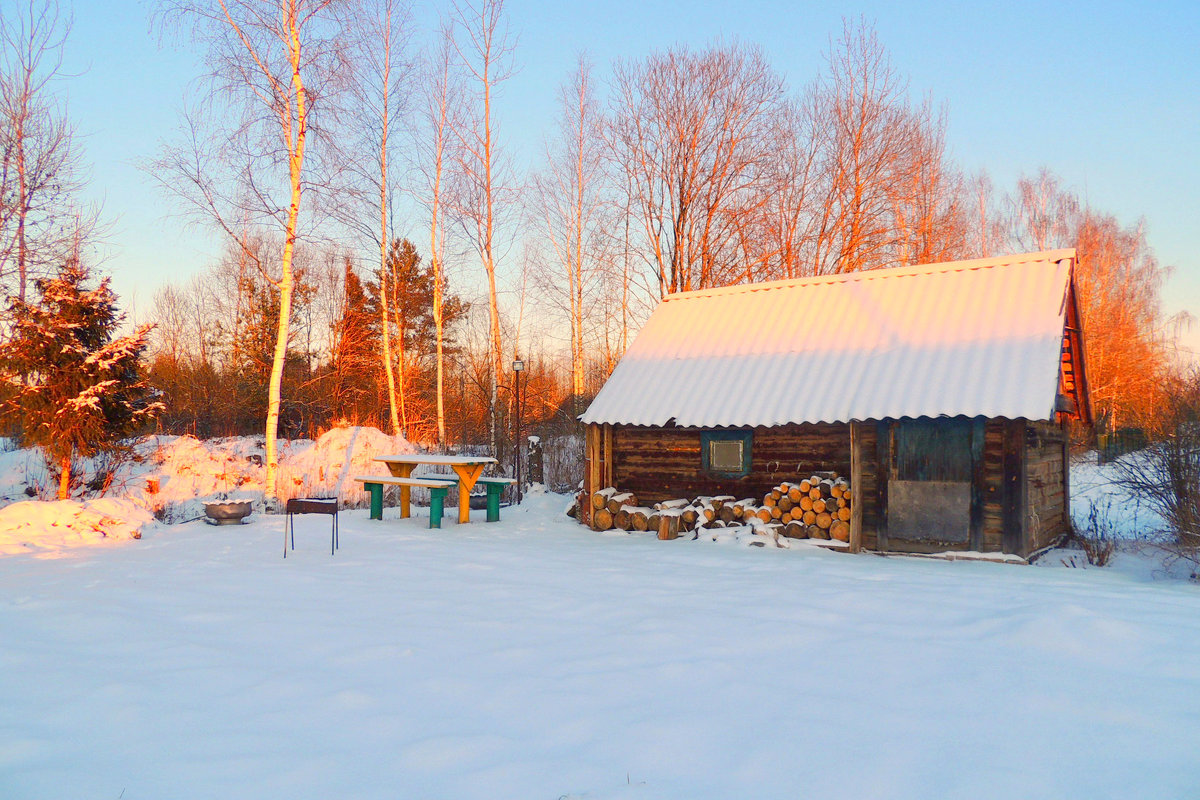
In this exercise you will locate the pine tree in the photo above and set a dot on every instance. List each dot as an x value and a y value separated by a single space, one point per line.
411 296
356 345
77 390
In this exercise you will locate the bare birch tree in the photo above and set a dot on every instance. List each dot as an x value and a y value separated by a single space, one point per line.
247 157
441 112
568 193
865 125
692 133
484 48
40 163
378 34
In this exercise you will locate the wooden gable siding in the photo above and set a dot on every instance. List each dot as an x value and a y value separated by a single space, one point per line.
664 463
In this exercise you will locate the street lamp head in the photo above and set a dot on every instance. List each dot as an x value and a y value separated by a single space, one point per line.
518 365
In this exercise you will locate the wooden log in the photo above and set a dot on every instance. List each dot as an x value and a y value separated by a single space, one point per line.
621 499
785 504
600 498
769 500
794 493
776 494
794 530
726 514
689 516
669 504
820 506
813 532
824 520
840 530
805 486
668 526
639 519
806 503
776 512
621 519
763 515
815 493
844 514
810 518
826 487
652 522
602 520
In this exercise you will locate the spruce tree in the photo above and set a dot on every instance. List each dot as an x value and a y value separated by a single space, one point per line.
77 389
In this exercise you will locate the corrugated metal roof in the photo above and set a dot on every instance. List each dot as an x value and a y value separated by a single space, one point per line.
978 338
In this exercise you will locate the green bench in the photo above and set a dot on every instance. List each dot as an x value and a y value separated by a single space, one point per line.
438 489
495 487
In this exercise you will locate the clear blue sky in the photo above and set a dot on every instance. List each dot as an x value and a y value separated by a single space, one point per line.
1107 95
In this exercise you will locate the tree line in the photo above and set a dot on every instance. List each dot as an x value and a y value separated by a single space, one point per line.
385 259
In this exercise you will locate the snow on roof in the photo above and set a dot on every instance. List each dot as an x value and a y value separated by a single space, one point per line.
976 338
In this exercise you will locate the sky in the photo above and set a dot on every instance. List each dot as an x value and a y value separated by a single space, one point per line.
1104 94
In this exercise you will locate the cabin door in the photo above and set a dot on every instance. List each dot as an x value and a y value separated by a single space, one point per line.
929 493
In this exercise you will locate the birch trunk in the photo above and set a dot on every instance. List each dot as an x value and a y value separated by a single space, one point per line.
385 118
296 129
64 477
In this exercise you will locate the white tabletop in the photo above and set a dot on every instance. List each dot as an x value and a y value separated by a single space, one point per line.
417 458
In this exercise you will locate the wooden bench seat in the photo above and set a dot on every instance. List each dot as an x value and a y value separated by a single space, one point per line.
438 489
495 487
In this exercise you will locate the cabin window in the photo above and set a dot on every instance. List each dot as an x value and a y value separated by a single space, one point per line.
726 454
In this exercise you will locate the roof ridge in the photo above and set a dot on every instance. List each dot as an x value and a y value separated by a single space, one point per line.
1051 256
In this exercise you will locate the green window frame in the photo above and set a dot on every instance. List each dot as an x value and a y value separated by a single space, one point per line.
715 448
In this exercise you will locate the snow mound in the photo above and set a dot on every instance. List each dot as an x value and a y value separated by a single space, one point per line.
170 478
326 467
51 529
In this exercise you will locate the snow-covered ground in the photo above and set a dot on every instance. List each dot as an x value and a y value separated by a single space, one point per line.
535 659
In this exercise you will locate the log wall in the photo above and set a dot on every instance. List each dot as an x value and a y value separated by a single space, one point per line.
1019 492
664 463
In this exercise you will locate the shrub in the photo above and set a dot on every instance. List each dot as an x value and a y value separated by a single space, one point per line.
1097 539
1166 473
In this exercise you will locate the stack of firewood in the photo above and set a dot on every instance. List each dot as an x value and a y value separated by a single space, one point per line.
815 508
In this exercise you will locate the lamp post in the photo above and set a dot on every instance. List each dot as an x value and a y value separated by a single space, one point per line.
517 366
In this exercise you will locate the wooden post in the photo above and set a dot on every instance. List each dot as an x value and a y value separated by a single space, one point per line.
883 471
606 448
467 474
978 483
856 472
1013 499
1066 477
403 471
591 472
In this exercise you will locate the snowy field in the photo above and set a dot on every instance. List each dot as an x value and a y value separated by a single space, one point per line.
535 659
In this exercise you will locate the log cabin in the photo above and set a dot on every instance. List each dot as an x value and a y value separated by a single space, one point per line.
942 391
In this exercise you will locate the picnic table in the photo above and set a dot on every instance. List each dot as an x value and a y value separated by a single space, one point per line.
467 468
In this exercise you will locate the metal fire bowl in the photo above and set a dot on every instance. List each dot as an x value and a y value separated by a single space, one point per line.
228 513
